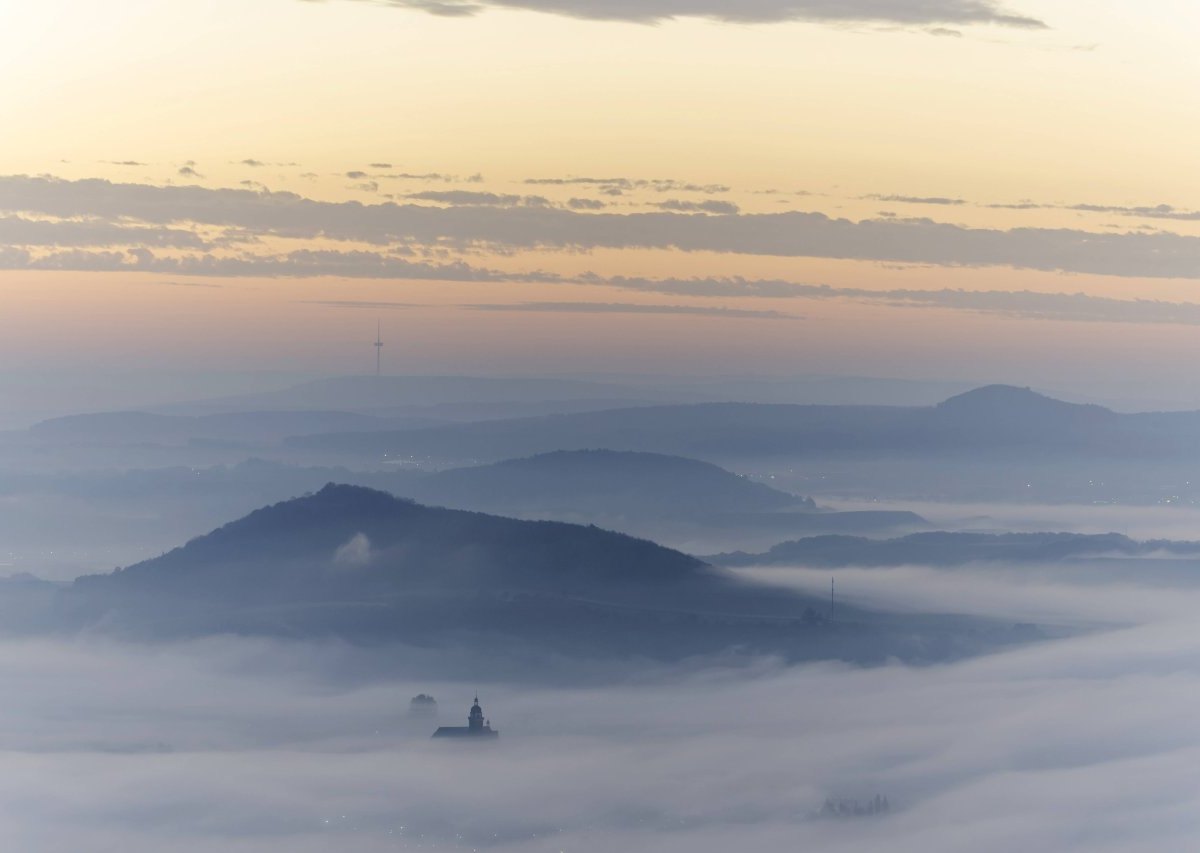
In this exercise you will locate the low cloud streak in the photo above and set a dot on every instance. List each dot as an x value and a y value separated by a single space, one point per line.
633 308
903 12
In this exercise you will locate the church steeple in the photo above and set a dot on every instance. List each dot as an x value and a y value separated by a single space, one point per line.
477 725
475 718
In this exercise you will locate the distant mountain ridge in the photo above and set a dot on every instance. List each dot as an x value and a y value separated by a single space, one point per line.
994 419
1010 399
945 549
373 393
605 482
132 427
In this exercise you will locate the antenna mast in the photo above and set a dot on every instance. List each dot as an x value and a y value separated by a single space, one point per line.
378 348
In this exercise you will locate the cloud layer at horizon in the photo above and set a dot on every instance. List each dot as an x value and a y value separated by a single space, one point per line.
242 215
903 12
95 225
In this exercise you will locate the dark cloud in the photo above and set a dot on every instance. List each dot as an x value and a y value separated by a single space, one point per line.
586 204
619 185
720 207
623 183
297 264
432 177
523 227
250 161
19 231
350 303
912 199
381 165
1066 307
731 286
70 259
309 263
903 12
633 308
569 308
1071 307
467 197
1154 211
668 186
1158 211
188 172
363 264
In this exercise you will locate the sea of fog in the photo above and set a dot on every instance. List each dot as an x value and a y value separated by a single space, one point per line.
1084 744
1158 521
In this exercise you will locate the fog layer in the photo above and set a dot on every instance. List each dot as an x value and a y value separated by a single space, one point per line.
1082 744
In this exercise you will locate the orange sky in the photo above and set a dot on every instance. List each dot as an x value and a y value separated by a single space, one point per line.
1082 125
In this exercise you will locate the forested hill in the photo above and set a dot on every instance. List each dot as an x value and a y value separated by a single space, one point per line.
605 482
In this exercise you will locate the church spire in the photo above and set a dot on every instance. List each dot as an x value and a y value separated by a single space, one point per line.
477 725
475 718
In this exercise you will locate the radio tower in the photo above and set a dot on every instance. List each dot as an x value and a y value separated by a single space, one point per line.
378 348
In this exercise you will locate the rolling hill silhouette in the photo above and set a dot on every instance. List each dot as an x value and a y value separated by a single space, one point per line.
360 565
604 482
995 420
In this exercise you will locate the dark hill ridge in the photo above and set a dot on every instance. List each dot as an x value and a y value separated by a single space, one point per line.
353 562
997 419
944 549
1008 401
492 593
605 482
291 550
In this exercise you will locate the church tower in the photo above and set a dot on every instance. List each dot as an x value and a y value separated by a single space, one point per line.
476 726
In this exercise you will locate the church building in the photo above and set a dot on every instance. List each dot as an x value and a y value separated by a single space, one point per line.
476 726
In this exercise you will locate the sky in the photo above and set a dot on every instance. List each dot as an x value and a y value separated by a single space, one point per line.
939 189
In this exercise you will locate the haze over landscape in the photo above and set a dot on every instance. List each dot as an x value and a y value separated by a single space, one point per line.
764 424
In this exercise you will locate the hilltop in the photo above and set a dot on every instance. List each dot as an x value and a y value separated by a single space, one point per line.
605 482
352 563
